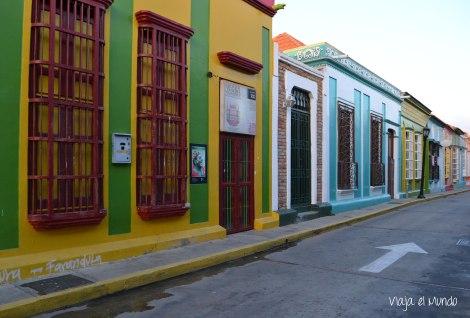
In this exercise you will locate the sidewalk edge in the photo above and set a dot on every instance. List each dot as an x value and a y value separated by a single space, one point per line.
41 304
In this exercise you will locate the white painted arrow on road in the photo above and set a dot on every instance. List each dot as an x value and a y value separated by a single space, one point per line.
396 252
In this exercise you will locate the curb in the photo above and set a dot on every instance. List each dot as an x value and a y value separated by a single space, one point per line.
41 304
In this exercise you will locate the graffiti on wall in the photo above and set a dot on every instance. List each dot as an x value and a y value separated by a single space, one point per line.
50 267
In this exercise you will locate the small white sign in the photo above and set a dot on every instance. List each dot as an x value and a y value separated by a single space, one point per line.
121 148
237 108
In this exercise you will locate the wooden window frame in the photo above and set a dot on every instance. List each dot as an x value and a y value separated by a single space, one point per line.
455 164
161 187
409 161
62 90
418 155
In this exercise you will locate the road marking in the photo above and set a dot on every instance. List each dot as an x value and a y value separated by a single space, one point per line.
463 242
396 252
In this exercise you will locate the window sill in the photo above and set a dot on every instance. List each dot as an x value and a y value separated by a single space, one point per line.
380 186
150 213
62 220
346 192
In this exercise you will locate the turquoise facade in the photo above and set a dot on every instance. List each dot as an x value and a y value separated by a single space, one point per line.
365 93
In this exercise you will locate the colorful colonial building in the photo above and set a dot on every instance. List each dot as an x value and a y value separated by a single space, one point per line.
436 155
361 152
467 160
414 117
297 118
455 150
131 126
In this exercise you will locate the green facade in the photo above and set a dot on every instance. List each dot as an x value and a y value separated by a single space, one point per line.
120 76
10 84
199 101
266 164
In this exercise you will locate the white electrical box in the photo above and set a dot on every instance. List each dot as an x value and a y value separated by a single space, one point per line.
121 148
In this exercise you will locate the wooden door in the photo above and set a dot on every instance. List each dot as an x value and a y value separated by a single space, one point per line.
236 182
391 163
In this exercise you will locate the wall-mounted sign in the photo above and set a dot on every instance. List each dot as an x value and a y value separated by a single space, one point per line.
198 163
237 108
121 148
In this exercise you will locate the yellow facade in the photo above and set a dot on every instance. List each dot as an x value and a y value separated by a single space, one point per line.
234 26
415 117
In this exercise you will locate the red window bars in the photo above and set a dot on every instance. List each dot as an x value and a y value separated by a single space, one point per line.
347 166
377 168
161 116
65 171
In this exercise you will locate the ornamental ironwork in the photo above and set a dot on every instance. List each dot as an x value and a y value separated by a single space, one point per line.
347 167
300 149
302 99
324 51
377 168
434 161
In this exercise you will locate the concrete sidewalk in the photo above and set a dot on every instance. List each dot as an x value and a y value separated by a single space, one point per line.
30 297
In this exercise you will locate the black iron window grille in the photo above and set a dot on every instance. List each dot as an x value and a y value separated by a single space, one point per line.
300 149
302 99
434 161
347 167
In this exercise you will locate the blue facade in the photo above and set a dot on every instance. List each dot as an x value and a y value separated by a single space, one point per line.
436 137
365 94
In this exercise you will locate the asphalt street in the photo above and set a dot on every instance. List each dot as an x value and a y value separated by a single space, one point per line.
423 270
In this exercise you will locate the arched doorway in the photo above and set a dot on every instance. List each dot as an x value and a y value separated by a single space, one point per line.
300 149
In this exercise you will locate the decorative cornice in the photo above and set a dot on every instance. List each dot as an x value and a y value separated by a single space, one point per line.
261 7
240 63
148 17
304 67
416 103
326 52
105 3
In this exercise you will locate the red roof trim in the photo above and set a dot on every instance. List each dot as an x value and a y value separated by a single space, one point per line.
240 63
261 7
148 17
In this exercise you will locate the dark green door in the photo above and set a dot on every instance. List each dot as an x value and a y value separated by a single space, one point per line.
300 149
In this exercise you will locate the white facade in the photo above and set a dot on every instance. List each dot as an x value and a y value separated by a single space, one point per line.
293 80
436 134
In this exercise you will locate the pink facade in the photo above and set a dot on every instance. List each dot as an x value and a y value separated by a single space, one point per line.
467 160
269 3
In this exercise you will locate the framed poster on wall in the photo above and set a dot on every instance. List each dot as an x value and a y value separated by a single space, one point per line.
198 157
237 108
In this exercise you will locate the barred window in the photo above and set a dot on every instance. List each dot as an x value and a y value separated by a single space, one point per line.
65 170
434 161
448 162
409 154
418 155
467 162
347 167
161 116
455 164
377 175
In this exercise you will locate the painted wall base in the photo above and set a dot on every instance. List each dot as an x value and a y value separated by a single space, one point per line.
347 205
53 262
268 222
460 185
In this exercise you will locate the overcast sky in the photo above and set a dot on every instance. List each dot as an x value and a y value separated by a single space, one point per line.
420 46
